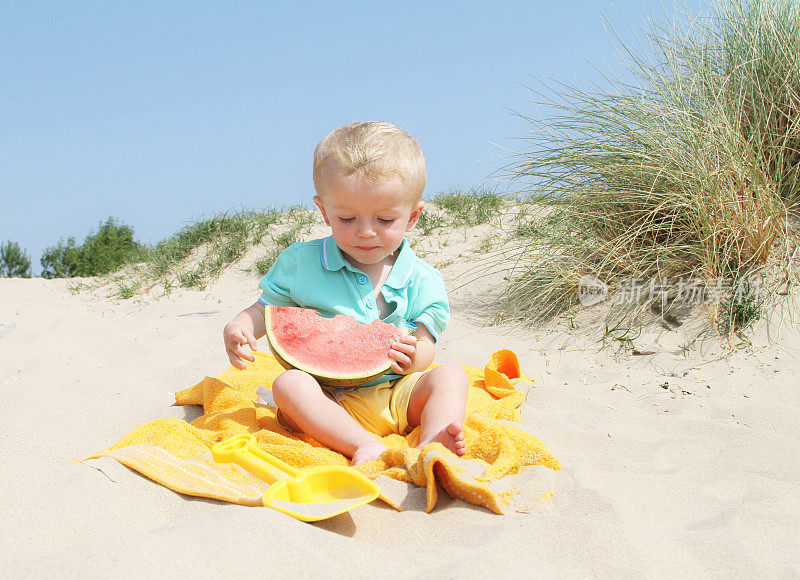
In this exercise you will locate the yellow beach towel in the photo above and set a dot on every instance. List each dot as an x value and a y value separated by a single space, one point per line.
504 467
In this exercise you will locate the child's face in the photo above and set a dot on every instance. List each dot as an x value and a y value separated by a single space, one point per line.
368 219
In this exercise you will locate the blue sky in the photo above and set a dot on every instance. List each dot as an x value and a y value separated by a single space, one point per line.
160 113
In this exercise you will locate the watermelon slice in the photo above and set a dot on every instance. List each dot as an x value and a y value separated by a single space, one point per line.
338 351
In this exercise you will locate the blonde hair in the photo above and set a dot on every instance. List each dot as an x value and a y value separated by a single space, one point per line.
373 150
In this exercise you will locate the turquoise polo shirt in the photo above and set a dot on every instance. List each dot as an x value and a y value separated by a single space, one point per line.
316 275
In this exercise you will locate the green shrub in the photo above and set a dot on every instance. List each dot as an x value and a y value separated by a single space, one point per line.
14 261
102 252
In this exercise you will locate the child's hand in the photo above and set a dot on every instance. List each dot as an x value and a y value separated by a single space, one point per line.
404 351
236 337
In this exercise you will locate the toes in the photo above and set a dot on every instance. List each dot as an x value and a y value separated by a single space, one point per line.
452 437
454 428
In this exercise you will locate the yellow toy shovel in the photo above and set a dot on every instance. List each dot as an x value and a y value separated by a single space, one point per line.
310 494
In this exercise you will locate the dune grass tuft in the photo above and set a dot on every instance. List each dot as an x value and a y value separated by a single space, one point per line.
685 169
200 251
298 222
472 207
456 208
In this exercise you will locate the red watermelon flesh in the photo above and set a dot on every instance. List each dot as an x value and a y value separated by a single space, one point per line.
338 351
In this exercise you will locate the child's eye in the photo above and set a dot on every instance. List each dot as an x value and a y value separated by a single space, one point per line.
386 221
346 220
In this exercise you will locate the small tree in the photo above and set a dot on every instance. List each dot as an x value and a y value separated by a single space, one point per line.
111 247
14 261
61 261
102 252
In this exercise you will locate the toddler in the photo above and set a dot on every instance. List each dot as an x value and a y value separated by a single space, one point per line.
369 179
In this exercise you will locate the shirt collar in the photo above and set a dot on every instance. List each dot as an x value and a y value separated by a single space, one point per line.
332 259
402 268
331 255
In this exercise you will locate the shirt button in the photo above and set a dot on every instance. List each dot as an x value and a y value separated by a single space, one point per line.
369 303
363 280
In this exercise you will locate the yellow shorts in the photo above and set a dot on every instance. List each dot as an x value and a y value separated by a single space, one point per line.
382 409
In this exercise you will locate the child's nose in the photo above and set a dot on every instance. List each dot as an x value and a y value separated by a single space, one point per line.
365 229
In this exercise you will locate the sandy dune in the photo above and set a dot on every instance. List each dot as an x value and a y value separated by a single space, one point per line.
680 458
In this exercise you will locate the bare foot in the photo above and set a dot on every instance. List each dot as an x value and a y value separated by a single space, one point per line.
451 437
369 452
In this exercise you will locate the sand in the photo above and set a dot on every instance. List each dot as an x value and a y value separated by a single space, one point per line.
681 457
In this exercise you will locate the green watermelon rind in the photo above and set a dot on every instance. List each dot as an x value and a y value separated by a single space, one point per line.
328 380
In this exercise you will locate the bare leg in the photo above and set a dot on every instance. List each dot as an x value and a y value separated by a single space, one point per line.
307 409
439 404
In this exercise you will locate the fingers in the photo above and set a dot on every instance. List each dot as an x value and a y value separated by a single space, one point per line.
235 341
403 352
408 339
236 354
251 340
407 344
401 358
236 362
239 351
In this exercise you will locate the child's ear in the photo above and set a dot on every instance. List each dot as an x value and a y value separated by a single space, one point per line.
321 207
415 213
